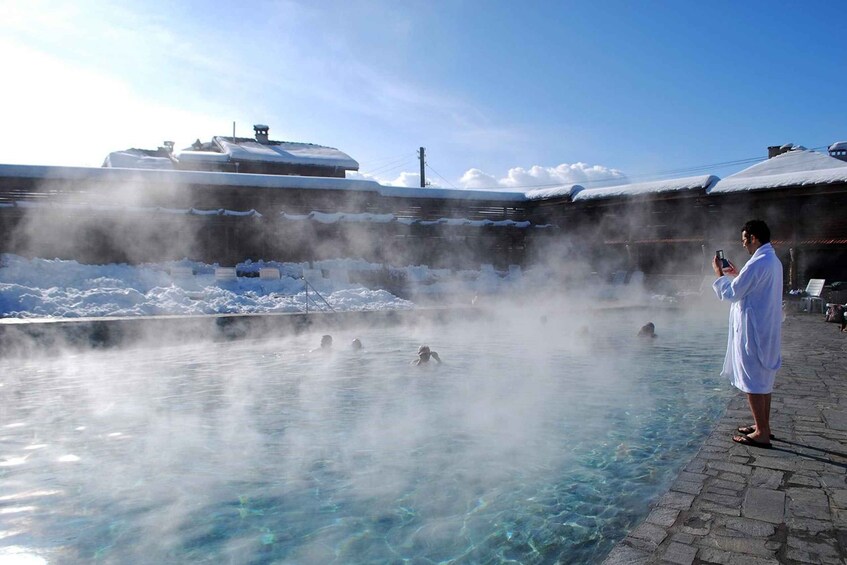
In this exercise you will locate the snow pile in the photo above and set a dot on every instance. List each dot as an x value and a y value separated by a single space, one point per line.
58 288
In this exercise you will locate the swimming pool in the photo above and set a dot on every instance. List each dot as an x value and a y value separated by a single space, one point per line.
538 438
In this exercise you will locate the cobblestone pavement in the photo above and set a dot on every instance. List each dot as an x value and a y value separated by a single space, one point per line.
739 505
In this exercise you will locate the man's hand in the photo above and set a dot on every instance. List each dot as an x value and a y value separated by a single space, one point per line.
731 270
716 265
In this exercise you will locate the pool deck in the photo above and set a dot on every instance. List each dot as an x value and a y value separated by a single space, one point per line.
739 505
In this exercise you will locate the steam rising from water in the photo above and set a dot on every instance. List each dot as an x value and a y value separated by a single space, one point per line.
534 438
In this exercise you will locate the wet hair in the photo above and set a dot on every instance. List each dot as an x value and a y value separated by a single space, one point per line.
759 229
647 329
326 340
356 344
423 349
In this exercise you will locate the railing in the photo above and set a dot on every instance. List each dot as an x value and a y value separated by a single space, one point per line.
307 285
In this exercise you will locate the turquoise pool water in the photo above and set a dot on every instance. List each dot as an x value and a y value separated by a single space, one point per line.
535 441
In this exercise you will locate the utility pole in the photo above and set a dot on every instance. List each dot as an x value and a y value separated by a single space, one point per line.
423 175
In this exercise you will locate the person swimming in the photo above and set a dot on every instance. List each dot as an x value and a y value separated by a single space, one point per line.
356 344
326 345
647 330
424 355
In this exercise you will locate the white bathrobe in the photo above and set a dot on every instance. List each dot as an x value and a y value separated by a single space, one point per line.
755 322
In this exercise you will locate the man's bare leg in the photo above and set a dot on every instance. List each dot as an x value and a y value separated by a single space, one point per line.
760 406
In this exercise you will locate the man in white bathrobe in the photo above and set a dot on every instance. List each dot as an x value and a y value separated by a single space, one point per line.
755 327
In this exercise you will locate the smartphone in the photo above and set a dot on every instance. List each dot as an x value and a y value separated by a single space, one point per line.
724 262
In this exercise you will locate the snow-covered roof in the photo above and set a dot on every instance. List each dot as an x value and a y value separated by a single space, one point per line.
341 217
187 155
35 204
564 191
798 167
285 152
644 188
136 159
838 146
123 177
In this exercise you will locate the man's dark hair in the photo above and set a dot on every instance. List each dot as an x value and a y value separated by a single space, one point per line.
758 228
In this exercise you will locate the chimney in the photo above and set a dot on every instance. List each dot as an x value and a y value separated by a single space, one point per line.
774 150
838 150
261 133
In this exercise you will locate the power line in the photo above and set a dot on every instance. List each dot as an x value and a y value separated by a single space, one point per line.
402 161
439 176
382 160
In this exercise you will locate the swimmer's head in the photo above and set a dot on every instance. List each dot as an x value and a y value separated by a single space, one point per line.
326 341
356 344
648 330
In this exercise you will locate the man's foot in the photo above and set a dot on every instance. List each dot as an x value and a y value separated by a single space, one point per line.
750 442
747 430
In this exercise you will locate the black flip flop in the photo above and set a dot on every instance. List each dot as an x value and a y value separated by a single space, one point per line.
747 430
750 442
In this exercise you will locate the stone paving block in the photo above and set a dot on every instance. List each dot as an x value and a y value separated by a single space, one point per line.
839 519
712 555
736 468
729 501
678 500
623 555
641 544
807 503
680 554
732 477
687 487
765 505
683 538
692 477
803 480
748 527
748 546
809 525
833 481
717 509
723 484
696 466
698 524
812 551
663 516
841 537
773 463
766 478
836 419
723 492
649 532
838 498
738 559
817 466
710 456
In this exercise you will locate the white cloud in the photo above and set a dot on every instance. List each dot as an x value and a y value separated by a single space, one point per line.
545 177
407 179
474 178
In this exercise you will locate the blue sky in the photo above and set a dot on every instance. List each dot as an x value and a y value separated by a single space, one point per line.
501 94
